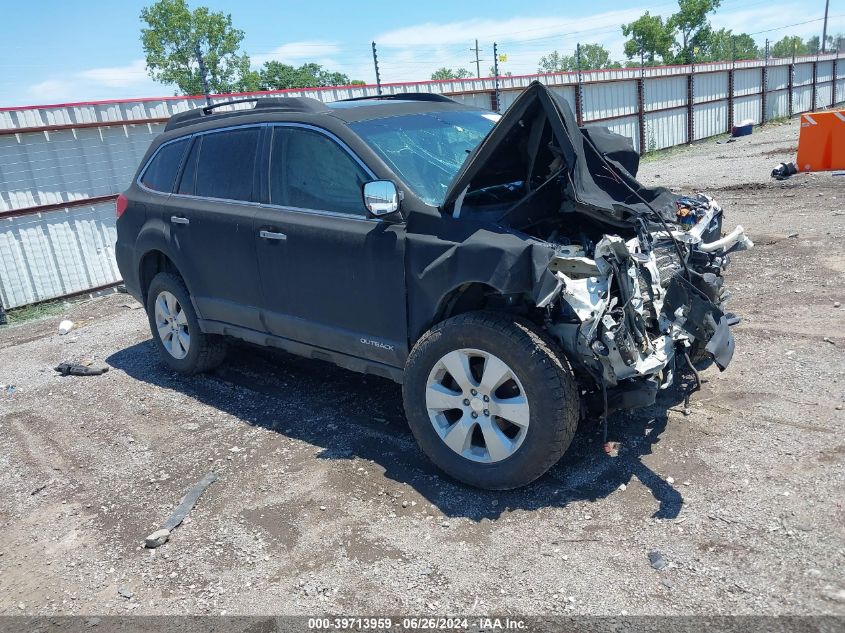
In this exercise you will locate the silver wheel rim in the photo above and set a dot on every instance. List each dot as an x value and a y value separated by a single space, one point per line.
477 405
172 325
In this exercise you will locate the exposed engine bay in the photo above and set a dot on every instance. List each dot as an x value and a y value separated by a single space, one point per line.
638 270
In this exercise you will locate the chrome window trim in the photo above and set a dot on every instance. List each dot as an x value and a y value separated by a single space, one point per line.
268 205
344 147
190 137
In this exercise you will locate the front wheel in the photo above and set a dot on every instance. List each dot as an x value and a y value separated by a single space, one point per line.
181 344
490 400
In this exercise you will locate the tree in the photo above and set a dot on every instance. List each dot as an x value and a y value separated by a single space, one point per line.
275 75
170 42
813 44
787 47
448 73
649 38
593 57
722 45
692 26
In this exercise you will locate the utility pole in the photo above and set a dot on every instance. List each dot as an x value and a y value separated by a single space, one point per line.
477 60
496 74
824 28
203 73
579 105
378 75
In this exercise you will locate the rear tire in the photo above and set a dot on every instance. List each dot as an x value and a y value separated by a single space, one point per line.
519 387
182 346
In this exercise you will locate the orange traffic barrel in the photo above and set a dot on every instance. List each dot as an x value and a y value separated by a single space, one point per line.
821 143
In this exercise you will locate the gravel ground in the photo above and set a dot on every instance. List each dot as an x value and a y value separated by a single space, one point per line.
325 504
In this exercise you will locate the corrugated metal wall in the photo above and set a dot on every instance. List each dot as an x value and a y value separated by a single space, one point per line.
54 158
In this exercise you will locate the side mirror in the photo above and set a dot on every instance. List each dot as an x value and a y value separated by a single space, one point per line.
381 197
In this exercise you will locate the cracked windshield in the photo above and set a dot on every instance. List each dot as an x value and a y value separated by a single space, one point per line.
427 150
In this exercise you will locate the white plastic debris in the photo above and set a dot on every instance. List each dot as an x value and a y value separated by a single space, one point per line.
65 326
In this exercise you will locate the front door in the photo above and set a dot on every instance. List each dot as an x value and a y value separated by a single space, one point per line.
330 276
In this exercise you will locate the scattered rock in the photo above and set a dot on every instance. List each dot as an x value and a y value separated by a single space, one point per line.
157 539
65 327
836 304
668 583
670 480
21 606
793 235
125 593
834 595
657 561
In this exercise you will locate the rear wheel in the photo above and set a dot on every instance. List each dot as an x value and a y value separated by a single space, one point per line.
490 400
181 344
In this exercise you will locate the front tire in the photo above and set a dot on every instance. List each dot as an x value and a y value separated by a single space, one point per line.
182 346
490 400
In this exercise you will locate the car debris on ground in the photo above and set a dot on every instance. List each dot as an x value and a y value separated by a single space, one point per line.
81 369
160 537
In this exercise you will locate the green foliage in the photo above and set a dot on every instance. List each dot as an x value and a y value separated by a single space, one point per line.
692 27
650 39
790 45
171 36
593 57
721 45
276 75
448 73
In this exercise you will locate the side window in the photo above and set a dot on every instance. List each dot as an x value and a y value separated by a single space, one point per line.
161 171
309 170
226 165
189 171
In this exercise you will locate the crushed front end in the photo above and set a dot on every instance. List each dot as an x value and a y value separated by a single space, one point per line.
629 310
631 279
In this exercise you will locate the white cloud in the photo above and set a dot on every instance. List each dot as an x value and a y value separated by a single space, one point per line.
118 76
297 52
97 83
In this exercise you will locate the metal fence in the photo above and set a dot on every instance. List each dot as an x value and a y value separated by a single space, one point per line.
61 166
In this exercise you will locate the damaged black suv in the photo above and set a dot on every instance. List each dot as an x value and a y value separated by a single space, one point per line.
509 272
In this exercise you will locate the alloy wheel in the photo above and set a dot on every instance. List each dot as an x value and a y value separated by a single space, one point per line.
172 325
477 405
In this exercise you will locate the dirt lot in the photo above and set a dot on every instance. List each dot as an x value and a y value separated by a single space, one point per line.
325 504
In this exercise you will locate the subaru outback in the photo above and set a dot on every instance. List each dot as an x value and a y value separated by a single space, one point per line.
510 272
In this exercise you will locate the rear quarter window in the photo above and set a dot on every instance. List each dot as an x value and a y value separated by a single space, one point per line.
160 173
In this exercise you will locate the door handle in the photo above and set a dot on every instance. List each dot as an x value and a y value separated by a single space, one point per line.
270 235
176 219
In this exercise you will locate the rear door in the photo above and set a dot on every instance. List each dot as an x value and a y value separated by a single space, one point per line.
211 215
331 277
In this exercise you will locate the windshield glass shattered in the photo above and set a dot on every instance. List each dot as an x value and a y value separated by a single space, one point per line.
427 149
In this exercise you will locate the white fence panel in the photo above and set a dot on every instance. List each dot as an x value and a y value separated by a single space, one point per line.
777 104
747 82
710 119
48 255
777 77
605 100
669 92
824 71
747 109
802 75
824 95
665 129
802 99
475 99
39 168
710 86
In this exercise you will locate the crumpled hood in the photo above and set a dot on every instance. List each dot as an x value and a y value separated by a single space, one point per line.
518 138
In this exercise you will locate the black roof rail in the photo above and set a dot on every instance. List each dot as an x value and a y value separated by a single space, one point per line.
280 104
406 96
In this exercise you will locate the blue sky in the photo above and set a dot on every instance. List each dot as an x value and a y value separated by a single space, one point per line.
59 51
